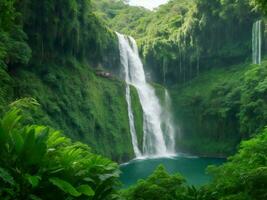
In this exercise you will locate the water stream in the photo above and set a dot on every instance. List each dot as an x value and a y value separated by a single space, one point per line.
257 42
156 142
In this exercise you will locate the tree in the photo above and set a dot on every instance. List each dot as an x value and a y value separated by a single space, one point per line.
159 184
13 45
261 4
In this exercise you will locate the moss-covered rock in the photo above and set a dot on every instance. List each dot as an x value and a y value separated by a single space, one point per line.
138 116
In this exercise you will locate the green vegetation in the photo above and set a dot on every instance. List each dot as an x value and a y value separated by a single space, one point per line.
67 41
60 29
159 184
138 116
261 4
220 108
185 37
244 175
197 46
38 162
86 107
120 16
50 54
66 45
13 46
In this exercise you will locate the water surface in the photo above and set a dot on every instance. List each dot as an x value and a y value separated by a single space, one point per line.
192 168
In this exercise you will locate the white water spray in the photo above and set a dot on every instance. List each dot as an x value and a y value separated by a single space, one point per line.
168 124
257 42
154 144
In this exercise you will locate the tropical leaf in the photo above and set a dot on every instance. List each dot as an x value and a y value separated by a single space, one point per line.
34 153
86 190
34 148
10 120
106 177
26 102
56 139
65 186
17 141
6 177
33 180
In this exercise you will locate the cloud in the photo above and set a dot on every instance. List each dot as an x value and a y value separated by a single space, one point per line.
150 4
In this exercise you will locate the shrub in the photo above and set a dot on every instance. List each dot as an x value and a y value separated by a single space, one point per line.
37 162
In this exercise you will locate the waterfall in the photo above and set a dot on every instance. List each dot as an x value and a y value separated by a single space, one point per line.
154 143
125 64
257 42
168 124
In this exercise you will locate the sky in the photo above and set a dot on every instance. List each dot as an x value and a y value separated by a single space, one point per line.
150 4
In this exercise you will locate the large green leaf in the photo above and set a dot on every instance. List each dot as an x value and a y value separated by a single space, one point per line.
6 177
56 139
33 180
65 186
17 141
86 190
34 148
11 119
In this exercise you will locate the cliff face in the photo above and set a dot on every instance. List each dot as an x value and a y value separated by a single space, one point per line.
220 108
88 108
49 51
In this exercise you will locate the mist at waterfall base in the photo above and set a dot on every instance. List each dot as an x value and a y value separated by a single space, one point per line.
193 169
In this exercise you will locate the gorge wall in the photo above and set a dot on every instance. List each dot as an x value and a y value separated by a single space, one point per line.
60 59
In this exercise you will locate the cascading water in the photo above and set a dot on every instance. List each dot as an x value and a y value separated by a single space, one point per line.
257 42
168 124
125 63
154 143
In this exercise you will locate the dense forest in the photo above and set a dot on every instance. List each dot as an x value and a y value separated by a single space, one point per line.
65 124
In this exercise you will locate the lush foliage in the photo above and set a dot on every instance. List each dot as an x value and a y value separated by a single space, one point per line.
261 4
221 107
86 107
122 17
37 162
244 176
64 36
13 46
159 184
184 37
45 48
64 28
